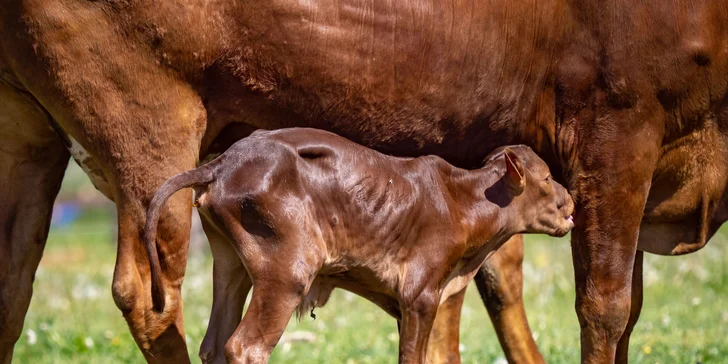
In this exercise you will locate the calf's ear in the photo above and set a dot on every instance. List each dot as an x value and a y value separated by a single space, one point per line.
515 177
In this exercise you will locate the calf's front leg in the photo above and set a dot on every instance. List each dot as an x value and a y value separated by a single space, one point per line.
275 298
416 324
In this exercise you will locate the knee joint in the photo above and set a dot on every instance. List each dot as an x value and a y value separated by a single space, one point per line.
255 353
608 313
125 293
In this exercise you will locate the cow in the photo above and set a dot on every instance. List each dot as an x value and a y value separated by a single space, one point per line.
625 101
307 211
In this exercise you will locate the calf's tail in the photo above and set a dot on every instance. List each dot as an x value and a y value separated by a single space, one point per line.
196 177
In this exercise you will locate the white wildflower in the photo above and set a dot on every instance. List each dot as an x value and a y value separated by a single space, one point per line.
651 275
467 312
196 282
500 360
91 292
31 336
665 320
88 342
348 296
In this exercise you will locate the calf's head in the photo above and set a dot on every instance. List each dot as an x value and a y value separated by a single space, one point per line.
536 203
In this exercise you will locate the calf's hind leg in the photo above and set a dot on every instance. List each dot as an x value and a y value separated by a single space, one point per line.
231 284
33 161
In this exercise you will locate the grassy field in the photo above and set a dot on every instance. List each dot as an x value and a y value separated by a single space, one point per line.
72 318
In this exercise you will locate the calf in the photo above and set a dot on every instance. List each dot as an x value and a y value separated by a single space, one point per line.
308 211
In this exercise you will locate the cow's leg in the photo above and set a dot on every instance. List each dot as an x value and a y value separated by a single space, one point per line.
135 122
160 335
231 285
635 308
32 160
500 284
275 297
416 325
445 336
140 136
611 188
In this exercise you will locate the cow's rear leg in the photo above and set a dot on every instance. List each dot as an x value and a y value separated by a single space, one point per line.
231 284
32 160
160 335
500 283
138 123
155 135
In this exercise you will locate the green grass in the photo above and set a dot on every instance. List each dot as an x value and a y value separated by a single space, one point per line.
73 319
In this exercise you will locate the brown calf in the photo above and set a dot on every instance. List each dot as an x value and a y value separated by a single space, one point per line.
307 211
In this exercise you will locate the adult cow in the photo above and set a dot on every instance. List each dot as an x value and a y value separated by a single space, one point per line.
627 101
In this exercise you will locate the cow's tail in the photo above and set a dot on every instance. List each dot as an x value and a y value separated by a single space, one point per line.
196 177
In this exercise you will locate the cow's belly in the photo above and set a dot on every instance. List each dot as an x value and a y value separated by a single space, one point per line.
403 81
686 205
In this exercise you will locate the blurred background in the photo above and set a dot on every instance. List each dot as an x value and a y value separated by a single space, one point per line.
73 319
